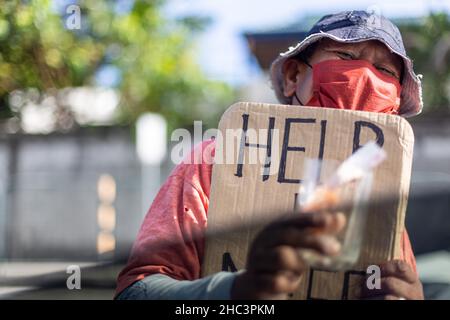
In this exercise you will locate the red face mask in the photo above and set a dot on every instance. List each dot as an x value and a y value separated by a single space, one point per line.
354 85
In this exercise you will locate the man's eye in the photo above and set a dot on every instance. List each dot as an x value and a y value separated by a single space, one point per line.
388 72
344 55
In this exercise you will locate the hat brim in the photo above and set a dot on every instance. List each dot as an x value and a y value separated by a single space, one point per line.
411 102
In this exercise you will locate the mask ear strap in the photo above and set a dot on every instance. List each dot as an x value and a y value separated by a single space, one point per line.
306 62
295 93
296 97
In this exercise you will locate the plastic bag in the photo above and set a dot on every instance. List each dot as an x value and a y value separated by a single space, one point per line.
347 189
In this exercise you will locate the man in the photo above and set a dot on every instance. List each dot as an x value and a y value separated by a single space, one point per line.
349 60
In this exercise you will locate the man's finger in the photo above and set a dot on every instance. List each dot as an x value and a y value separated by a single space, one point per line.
399 269
279 283
321 222
391 286
327 221
280 258
306 239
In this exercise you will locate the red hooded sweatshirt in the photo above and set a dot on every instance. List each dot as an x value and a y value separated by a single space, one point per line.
176 217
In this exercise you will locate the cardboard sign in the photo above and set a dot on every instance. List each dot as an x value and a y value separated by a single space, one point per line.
243 193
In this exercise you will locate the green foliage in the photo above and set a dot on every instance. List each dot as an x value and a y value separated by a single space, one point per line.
428 43
155 58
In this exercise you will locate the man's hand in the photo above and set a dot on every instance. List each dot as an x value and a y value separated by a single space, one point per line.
274 266
398 282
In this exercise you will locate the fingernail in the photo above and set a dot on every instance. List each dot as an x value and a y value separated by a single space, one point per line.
333 244
336 246
402 266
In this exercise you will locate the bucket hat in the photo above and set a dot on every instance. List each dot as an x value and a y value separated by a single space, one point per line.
357 26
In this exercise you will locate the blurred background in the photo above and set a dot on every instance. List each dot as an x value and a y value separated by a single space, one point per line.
90 92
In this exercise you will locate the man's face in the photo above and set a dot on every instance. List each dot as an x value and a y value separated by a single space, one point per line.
298 76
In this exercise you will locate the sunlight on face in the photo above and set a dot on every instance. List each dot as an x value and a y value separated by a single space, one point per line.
373 51
298 77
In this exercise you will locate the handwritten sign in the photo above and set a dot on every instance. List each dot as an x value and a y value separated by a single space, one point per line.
245 191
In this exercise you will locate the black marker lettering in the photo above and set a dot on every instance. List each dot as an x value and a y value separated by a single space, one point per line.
286 148
227 263
357 134
244 144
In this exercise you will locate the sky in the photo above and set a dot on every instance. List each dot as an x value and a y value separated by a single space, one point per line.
223 52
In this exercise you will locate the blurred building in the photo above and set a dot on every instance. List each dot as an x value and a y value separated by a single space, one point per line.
60 191
76 195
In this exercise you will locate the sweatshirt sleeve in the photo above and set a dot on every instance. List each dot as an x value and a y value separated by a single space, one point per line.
171 238
161 287
407 251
